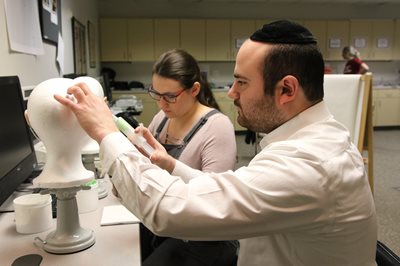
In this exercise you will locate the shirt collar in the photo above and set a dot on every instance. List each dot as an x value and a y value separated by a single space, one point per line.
311 115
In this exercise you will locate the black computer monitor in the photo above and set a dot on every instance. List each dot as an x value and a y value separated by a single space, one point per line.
107 88
17 154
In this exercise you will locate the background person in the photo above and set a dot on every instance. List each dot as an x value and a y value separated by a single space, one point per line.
306 192
354 64
191 128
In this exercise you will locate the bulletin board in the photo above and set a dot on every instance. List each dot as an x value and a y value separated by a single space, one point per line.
79 46
50 19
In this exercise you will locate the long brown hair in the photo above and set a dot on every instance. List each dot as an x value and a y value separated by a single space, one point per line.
181 66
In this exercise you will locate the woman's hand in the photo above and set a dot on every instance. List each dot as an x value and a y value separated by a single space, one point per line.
160 157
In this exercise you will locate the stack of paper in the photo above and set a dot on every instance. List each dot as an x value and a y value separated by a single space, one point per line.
117 214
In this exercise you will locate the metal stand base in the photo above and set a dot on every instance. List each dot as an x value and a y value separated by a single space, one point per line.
69 236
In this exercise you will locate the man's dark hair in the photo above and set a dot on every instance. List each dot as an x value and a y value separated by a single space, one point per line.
294 52
304 62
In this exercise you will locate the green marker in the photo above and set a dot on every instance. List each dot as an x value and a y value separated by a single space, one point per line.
134 137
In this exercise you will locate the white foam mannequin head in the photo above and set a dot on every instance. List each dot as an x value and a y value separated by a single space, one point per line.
61 134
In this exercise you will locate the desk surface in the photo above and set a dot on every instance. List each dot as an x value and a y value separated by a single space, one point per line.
115 245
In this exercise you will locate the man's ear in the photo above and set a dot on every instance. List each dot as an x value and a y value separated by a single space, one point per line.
287 89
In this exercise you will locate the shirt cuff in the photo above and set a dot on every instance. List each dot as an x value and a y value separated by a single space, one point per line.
186 173
111 147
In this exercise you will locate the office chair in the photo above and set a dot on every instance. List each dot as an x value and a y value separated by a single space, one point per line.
385 256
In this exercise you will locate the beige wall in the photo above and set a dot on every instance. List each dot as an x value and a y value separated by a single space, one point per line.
34 69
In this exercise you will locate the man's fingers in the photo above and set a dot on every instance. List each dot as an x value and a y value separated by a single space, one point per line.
63 100
84 87
78 92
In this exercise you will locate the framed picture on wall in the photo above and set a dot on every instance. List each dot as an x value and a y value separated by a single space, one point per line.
79 46
50 19
92 44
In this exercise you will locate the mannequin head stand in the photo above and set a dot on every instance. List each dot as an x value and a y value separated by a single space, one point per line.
64 173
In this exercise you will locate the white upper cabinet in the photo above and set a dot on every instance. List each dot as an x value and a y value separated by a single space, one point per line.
193 37
373 38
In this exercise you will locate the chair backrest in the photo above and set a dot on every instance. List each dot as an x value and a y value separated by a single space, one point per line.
344 95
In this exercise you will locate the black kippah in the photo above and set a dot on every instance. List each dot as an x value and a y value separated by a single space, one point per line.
285 32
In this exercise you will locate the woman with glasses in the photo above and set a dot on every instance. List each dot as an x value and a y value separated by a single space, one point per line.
191 128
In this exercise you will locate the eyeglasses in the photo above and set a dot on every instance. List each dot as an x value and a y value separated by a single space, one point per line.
168 97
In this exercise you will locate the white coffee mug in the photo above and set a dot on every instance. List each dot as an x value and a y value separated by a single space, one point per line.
33 213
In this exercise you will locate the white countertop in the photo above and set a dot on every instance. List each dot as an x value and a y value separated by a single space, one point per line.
386 87
115 245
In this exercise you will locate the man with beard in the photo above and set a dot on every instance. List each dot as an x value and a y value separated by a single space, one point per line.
306 194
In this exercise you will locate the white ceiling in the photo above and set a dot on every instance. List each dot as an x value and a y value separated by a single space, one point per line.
298 9
276 1
306 1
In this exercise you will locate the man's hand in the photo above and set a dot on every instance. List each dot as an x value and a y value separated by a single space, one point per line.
92 112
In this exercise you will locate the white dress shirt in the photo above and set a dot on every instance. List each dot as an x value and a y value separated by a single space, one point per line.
306 194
